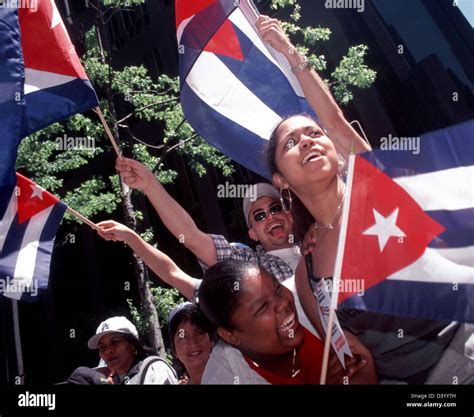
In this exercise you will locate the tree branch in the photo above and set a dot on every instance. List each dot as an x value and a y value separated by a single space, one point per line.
180 143
138 140
144 108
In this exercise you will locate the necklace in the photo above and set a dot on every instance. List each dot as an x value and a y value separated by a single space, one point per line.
293 371
329 225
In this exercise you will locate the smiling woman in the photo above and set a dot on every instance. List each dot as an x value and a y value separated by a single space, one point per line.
255 314
192 338
262 340
127 360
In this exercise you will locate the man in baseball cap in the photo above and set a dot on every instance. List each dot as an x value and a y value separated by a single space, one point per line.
268 224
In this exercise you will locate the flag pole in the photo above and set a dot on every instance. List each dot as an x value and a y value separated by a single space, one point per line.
82 218
253 8
17 339
108 131
337 270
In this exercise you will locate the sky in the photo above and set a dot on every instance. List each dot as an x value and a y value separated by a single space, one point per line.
467 8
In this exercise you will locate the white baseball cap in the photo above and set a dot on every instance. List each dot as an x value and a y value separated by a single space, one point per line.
254 192
118 324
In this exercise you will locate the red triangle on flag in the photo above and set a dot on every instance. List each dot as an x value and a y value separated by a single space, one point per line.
225 42
32 199
45 41
379 210
187 8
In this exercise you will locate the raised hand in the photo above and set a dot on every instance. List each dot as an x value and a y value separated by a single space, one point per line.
309 241
112 230
135 174
271 32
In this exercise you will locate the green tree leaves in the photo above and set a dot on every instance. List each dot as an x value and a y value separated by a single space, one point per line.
352 71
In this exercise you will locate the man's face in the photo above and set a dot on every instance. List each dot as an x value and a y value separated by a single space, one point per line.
274 230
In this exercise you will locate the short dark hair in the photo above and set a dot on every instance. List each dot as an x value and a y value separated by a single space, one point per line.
219 292
195 316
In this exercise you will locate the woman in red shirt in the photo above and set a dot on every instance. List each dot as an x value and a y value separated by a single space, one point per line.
254 313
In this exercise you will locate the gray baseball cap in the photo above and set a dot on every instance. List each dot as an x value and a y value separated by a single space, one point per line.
254 192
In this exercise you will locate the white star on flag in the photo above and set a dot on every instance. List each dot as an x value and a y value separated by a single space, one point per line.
384 228
37 192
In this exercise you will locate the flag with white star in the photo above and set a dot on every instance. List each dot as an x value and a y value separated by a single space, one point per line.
27 233
409 230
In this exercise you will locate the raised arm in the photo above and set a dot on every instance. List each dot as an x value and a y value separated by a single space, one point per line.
175 218
160 263
317 93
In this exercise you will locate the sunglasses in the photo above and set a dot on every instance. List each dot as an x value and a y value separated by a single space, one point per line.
273 209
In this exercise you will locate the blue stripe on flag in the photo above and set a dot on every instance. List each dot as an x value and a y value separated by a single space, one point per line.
6 192
420 299
459 225
233 140
452 147
263 78
11 248
12 76
61 101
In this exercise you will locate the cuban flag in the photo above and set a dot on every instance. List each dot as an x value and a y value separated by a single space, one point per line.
27 233
234 88
42 80
409 229
11 104
56 85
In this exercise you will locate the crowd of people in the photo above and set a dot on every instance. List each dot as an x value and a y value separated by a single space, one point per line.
253 317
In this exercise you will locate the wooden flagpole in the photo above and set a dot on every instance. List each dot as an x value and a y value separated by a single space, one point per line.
108 131
83 219
337 270
254 8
